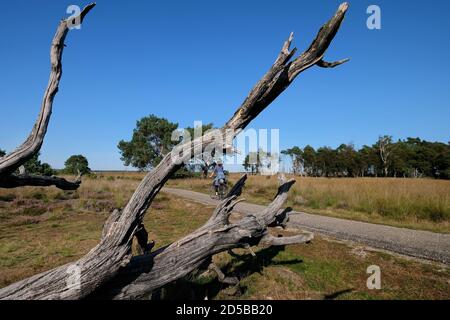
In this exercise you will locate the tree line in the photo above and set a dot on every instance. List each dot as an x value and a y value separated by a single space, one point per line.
75 164
411 157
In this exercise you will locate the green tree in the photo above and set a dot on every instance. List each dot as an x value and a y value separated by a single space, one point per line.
203 129
441 161
254 161
309 160
77 163
203 162
348 161
296 155
411 157
151 140
384 146
369 161
327 161
35 166
250 165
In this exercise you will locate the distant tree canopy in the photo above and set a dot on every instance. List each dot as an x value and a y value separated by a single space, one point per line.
200 163
412 157
151 140
35 166
77 164
202 129
297 160
255 161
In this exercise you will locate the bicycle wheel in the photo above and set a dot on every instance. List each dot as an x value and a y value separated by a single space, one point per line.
223 190
212 193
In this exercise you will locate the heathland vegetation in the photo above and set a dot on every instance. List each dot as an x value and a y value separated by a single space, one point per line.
46 228
42 228
413 203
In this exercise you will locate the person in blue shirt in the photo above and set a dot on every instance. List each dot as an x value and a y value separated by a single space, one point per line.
218 174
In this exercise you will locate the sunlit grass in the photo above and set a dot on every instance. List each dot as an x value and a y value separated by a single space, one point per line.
413 203
41 228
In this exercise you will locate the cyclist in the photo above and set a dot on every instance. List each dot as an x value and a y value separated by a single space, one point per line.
219 175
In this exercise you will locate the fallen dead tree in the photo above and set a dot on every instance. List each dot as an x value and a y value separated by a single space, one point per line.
149 272
110 271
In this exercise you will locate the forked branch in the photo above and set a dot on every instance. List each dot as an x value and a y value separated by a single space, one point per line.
149 272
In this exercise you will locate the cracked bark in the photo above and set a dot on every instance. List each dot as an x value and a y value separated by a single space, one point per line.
149 272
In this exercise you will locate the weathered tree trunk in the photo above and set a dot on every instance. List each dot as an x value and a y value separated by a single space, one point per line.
12 161
146 273
108 270
384 144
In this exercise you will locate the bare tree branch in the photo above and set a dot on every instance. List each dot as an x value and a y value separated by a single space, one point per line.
149 272
283 241
325 64
14 181
284 71
12 161
142 239
221 276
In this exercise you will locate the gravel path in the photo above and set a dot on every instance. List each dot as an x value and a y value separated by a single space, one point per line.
415 243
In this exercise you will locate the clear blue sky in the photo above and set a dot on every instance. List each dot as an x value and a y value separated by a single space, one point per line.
197 60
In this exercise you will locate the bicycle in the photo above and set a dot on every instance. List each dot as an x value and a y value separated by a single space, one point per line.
222 190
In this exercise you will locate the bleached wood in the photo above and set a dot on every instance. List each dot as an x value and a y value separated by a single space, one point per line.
14 160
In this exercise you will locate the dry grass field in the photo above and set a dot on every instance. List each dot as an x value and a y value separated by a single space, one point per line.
412 203
41 228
